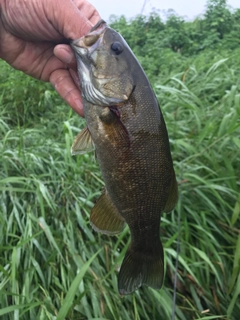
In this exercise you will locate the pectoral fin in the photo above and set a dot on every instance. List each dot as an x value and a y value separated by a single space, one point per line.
172 194
82 143
105 217
115 129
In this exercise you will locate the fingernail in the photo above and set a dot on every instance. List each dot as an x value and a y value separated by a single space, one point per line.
69 57
79 107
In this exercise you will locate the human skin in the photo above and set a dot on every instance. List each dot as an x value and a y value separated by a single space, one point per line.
33 37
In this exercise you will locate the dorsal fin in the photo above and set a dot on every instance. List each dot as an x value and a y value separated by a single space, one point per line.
172 195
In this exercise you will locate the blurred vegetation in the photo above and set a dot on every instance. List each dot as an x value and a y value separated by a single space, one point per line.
47 265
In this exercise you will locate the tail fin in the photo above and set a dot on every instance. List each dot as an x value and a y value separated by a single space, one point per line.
141 269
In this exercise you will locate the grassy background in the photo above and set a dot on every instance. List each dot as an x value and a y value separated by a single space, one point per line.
46 241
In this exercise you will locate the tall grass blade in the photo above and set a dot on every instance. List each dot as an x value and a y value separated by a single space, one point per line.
68 300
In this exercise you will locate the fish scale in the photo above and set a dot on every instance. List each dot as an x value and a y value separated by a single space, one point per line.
127 130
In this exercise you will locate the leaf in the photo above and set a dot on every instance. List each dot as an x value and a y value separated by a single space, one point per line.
236 266
49 235
215 66
18 307
236 212
235 296
204 257
67 302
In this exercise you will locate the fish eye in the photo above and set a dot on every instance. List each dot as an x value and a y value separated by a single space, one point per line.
117 47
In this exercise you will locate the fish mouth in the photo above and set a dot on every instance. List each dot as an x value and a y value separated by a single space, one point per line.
89 43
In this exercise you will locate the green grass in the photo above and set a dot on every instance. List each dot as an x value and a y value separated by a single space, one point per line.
54 266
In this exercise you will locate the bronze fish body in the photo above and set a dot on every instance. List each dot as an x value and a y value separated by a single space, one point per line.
127 130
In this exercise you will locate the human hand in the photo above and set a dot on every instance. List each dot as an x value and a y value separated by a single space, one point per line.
32 37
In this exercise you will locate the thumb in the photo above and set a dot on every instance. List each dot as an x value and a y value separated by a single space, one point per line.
72 19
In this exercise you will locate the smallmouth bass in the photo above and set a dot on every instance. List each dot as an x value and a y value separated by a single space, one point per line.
126 128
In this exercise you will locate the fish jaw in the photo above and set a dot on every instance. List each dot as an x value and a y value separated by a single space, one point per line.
89 92
100 84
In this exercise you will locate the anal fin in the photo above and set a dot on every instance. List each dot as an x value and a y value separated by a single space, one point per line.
105 217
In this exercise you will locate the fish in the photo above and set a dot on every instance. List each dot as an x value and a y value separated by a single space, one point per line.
125 127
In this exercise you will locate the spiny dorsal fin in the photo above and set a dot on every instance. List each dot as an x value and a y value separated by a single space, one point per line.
82 143
172 195
105 217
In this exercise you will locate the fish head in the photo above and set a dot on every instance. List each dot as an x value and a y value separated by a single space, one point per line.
104 66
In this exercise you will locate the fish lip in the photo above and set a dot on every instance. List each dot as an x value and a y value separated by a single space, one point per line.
101 24
79 45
